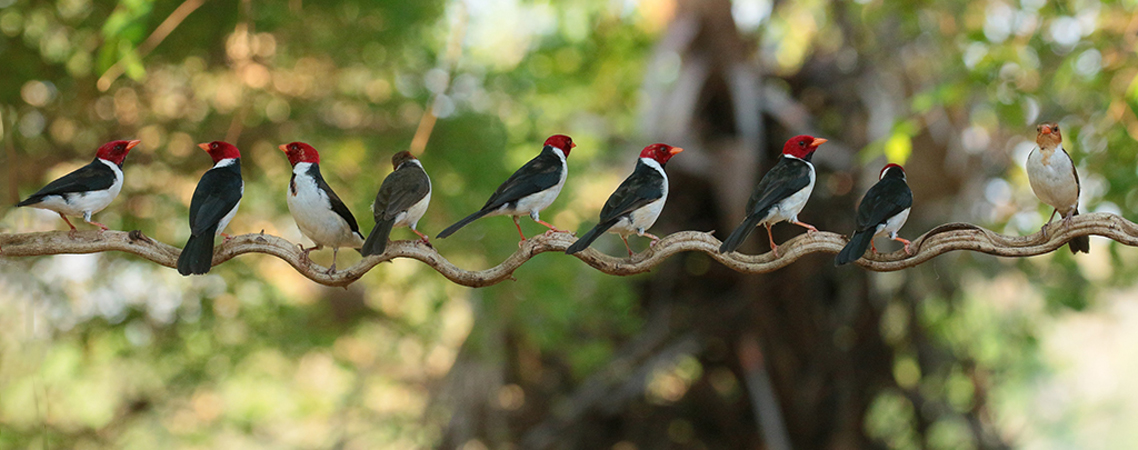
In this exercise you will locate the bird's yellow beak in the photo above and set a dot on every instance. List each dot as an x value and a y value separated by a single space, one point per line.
283 147
675 150
204 146
131 144
818 141
1045 130
572 145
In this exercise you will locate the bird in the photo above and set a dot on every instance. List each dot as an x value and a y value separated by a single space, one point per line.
86 190
318 211
883 210
1053 177
529 190
213 205
781 194
637 202
401 201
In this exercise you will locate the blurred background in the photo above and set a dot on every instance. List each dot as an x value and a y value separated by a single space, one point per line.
965 351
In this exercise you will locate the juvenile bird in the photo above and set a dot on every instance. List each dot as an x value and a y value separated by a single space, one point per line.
317 210
401 201
213 205
529 190
86 190
781 194
1055 181
637 202
883 210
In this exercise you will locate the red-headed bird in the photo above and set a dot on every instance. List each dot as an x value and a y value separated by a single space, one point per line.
213 205
883 210
86 190
401 201
317 210
1055 181
637 202
529 190
781 194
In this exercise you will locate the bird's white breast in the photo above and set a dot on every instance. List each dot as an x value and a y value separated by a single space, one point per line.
643 218
224 222
410 218
1053 179
84 203
788 208
312 210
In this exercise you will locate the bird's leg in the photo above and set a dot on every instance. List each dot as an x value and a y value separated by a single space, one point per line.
809 228
651 236
226 236
335 251
87 218
1043 229
903 241
423 238
774 247
304 259
625 239
73 230
519 225
552 229
872 246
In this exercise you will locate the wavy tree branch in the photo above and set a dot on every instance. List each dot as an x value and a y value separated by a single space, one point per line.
940 240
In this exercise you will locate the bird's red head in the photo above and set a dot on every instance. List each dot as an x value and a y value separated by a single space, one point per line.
802 146
299 152
115 151
399 158
1047 135
561 141
660 152
890 166
219 150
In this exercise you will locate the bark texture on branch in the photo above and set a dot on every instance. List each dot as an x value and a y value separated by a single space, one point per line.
940 240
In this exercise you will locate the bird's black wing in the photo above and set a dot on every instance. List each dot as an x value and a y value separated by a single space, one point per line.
217 193
400 191
91 177
539 174
642 187
789 175
884 200
338 206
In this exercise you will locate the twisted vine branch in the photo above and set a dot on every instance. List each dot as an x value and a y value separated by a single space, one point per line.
940 240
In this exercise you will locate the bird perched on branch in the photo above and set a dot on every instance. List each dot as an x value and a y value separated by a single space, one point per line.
529 190
883 210
318 211
637 202
781 194
1055 181
86 190
401 201
213 205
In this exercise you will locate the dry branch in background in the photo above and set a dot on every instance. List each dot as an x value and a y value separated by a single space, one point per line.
940 240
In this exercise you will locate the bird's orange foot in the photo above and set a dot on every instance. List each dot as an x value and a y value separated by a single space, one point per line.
907 242
809 228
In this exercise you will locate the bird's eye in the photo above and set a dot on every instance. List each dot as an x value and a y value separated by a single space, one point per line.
1056 128
213 146
801 143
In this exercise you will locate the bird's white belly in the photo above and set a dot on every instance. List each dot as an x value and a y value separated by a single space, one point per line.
315 218
789 207
410 218
1053 183
224 222
533 204
893 224
641 220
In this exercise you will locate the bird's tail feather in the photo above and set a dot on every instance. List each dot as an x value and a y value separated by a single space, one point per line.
376 242
584 241
740 234
462 223
855 248
1081 243
197 255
